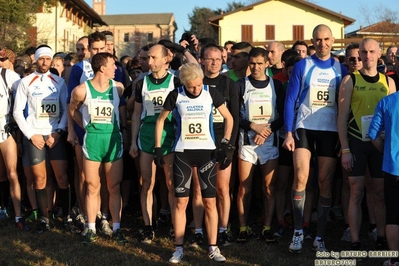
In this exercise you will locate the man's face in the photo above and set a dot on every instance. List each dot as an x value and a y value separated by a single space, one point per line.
212 61
323 41
143 58
97 47
110 47
43 64
110 67
391 54
302 50
81 49
274 54
238 60
258 65
4 62
156 60
353 60
369 52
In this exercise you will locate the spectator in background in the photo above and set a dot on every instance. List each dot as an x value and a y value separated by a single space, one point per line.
301 48
391 54
58 64
7 58
31 53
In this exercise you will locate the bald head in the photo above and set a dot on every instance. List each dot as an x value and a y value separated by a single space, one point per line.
276 49
322 41
321 27
369 52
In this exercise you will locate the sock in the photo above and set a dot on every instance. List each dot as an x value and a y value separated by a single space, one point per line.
17 218
300 231
116 226
41 197
212 248
266 227
199 230
243 228
65 198
179 248
92 226
322 214
222 229
298 204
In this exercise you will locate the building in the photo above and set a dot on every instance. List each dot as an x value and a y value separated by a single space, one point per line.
132 31
61 25
277 20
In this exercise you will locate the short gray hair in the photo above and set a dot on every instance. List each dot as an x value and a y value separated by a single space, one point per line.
190 71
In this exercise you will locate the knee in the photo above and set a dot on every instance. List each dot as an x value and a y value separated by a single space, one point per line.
209 204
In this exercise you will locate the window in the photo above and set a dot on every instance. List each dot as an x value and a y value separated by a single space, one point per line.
150 37
246 33
297 32
270 35
126 37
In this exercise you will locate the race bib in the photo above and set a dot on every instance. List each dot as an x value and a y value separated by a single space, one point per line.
260 109
47 108
194 127
322 97
217 117
101 111
154 101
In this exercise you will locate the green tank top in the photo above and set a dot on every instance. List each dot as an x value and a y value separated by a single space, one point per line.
104 110
365 96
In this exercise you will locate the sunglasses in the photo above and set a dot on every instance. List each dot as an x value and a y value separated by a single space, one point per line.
3 59
353 59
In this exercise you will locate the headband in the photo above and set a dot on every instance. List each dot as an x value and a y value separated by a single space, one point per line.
43 51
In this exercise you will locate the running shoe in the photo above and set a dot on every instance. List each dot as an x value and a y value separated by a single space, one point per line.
318 245
105 228
296 243
373 234
85 230
32 216
388 263
245 235
216 256
197 241
147 236
3 214
347 235
307 233
279 231
42 227
119 237
90 237
80 221
225 238
21 225
268 237
177 256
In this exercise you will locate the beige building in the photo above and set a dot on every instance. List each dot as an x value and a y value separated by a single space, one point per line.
132 31
277 20
60 26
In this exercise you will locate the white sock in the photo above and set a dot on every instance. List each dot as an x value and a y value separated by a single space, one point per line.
116 226
92 226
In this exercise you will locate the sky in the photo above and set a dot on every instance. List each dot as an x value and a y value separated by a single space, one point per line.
181 9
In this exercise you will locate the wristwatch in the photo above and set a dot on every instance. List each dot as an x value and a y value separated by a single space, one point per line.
225 141
59 131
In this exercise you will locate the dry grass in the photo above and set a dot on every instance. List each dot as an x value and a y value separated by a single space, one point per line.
58 247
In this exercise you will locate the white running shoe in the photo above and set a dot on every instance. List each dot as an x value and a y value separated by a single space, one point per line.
296 243
216 256
318 245
177 256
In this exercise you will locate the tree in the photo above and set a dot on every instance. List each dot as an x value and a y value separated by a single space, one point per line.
16 19
199 23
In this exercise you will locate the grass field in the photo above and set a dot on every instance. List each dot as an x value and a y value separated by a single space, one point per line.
57 247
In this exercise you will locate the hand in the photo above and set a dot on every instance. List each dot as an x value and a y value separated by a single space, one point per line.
259 140
262 129
289 143
52 139
158 159
172 46
224 155
347 161
38 141
134 150
72 138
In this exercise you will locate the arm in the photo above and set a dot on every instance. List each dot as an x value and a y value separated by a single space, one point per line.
344 102
228 121
392 86
123 117
77 98
376 126
136 120
159 127
234 108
